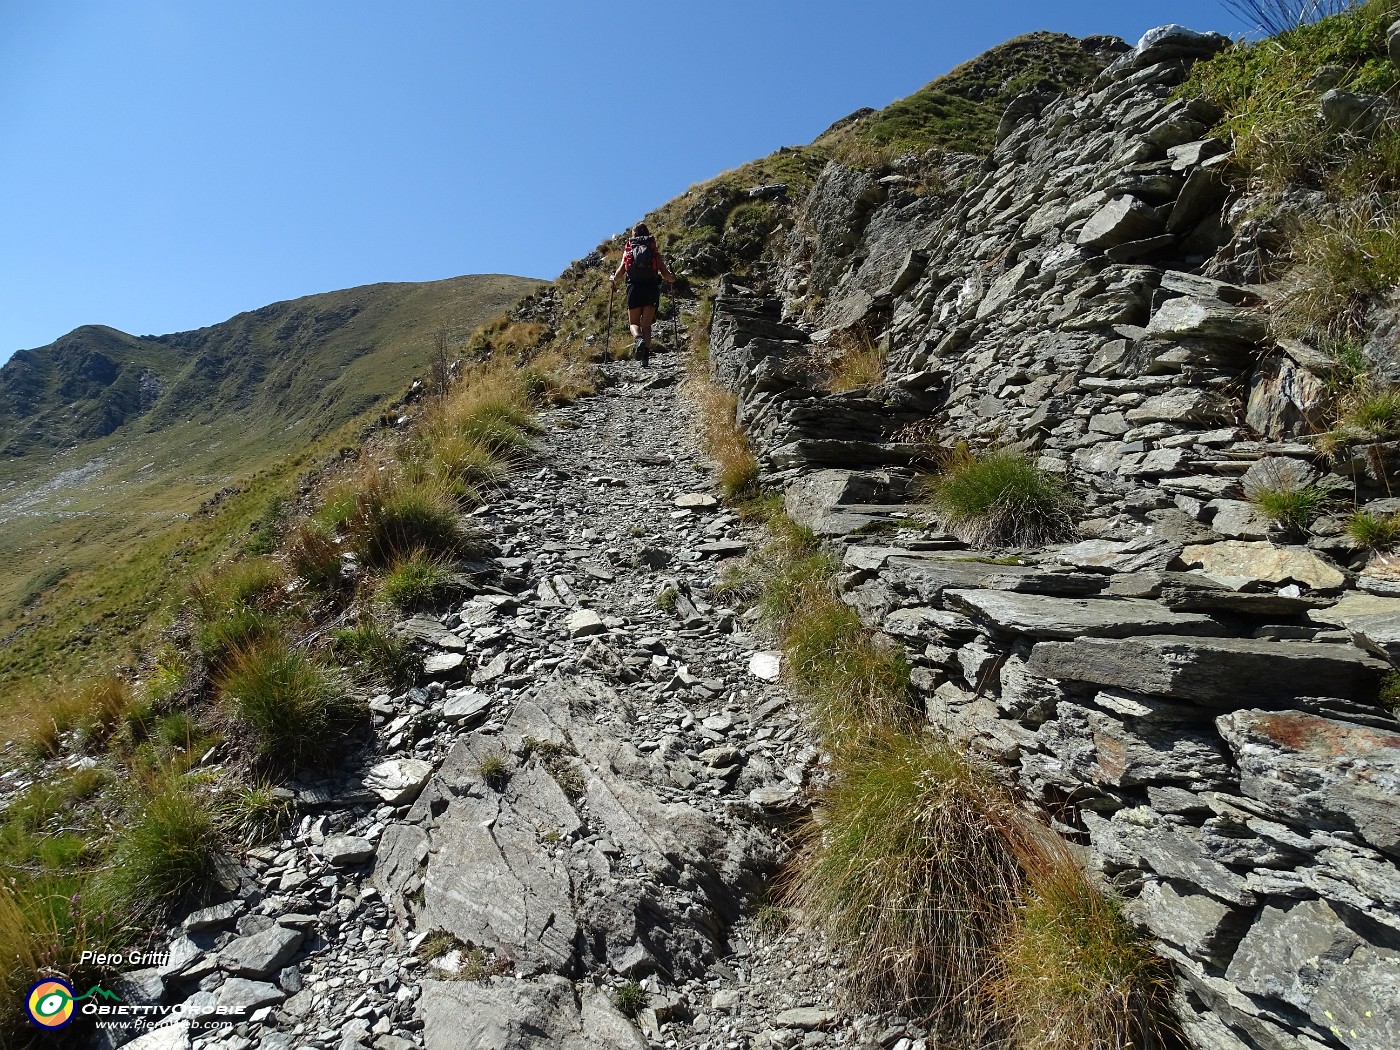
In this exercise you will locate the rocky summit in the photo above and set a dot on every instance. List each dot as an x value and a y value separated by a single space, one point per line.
568 834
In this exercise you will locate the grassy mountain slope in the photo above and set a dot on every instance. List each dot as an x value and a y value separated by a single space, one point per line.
961 109
150 429
318 359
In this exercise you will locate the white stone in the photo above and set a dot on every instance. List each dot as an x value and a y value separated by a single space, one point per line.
766 666
696 499
399 780
585 622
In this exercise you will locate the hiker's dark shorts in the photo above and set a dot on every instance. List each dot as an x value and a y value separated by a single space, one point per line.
640 295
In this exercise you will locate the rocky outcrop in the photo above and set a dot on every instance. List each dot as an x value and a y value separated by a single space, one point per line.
1188 691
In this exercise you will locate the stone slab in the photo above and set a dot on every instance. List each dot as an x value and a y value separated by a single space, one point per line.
1319 772
1220 672
398 780
1242 564
1038 616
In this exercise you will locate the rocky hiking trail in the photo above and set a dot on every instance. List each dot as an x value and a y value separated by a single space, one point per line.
590 789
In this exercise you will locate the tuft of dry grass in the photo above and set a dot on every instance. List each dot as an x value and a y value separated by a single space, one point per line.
1074 975
84 714
913 874
1340 265
736 467
859 362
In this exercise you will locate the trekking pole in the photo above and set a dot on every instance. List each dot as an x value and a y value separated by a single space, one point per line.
607 332
676 315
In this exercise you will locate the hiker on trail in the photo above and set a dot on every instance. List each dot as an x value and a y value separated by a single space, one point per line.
644 267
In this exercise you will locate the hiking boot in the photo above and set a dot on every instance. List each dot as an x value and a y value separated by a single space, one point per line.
644 354
638 347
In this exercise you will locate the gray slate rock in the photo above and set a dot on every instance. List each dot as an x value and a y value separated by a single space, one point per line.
583 623
1038 616
261 954
398 780
466 705
1288 760
345 850
240 997
1222 672
511 1014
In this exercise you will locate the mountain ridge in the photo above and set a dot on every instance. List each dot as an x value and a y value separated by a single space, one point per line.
317 350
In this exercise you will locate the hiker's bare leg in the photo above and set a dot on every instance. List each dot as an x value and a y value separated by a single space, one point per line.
645 322
634 317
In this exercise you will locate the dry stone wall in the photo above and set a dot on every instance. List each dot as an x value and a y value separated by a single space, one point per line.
1185 691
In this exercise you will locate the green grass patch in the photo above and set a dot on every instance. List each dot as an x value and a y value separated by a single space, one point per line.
1389 696
370 652
495 769
1373 531
1293 509
631 998
291 709
415 582
168 856
396 517
960 110
251 814
1271 107
1003 500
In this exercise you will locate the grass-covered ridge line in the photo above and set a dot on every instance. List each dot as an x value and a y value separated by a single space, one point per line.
960 110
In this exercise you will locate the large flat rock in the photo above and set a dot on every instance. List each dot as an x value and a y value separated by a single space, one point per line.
1222 672
1305 955
1195 592
927 577
511 1014
1319 772
511 866
1038 616
493 881
1244 565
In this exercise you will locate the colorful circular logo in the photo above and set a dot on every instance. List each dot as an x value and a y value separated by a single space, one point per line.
50 1003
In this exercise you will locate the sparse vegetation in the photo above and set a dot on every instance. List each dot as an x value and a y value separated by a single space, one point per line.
859 363
736 467
1073 974
495 769
372 652
415 581
631 998
315 557
251 814
292 709
912 873
1293 509
169 854
1389 696
1003 500
960 111
1373 531
396 517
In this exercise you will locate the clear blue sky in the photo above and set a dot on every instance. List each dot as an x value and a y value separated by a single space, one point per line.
165 164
